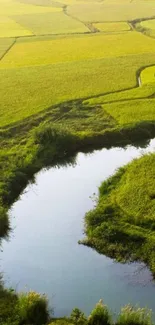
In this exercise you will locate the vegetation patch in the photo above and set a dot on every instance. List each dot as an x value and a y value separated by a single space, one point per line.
51 23
122 225
112 27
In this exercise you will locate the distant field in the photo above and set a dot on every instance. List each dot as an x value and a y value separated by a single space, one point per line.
5 43
139 92
112 11
10 28
10 8
150 24
132 111
112 27
51 23
147 27
44 3
77 48
148 75
51 84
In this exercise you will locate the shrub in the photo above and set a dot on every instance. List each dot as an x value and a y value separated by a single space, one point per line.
32 308
78 317
134 316
100 315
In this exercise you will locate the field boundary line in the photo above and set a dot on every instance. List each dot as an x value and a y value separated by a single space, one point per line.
8 49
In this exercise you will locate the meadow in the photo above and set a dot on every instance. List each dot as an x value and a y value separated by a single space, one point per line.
79 75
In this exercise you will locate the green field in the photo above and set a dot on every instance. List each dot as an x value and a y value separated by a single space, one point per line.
112 27
112 10
51 23
79 75
148 75
78 48
44 86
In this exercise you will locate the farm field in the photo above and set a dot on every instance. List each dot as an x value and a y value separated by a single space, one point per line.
112 27
77 75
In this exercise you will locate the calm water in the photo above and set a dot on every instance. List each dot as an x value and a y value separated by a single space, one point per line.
43 253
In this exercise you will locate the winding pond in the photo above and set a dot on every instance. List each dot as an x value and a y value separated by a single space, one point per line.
43 253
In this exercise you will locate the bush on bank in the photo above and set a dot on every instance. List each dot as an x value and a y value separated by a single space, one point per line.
33 309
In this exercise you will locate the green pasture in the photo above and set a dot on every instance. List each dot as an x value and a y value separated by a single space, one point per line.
112 11
51 23
76 49
48 85
112 27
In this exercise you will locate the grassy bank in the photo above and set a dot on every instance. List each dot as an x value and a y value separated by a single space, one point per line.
122 225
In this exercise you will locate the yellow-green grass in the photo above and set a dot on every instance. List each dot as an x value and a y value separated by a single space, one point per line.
148 75
132 111
10 28
43 3
148 24
112 11
45 86
10 8
122 225
147 27
51 23
112 27
5 44
138 92
78 48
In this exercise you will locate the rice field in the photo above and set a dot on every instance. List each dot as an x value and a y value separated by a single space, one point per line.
132 111
60 51
148 75
135 93
51 23
5 44
112 27
79 48
112 11
10 28
47 85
